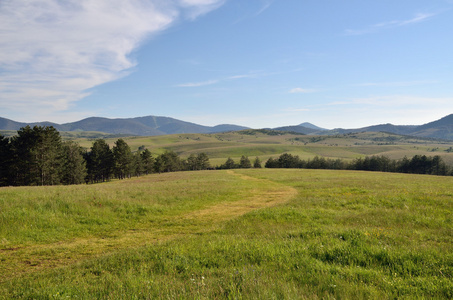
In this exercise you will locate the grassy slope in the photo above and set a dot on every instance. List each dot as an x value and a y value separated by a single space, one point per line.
344 235
235 144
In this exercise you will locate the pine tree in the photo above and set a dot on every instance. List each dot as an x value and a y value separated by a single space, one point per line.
203 161
99 162
122 157
244 163
74 167
6 159
148 161
257 163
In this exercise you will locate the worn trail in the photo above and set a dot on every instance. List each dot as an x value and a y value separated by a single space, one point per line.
47 256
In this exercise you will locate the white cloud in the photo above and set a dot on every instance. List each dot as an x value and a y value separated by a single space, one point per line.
295 109
196 8
396 101
397 83
301 91
52 52
390 24
214 81
197 84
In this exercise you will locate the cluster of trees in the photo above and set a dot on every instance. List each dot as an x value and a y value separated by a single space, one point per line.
419 164
38 156
244 163
104 163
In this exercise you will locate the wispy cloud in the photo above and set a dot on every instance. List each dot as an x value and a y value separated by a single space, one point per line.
53 52
397 83
390 24
214 81
198 84
265 6
396 101
301 91
295 109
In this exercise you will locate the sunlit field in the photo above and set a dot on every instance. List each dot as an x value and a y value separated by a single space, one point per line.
255 143
254 234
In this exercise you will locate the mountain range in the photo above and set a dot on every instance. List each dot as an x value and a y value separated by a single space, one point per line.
143 126
154 125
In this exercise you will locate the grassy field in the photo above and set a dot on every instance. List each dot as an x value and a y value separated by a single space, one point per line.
239 234
255 143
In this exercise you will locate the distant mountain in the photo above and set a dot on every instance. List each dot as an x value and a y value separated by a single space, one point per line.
143 126
311 126
304 128
153 125
397 129
440 129
298 129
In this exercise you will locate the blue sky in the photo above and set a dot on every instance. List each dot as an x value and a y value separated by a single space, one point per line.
257 63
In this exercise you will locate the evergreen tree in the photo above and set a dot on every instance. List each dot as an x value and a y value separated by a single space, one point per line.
137 164
148 161
192 163
74 165
49 155
6 159
24 169
158 165
203 161
244 162
37 158
169 162
99 162
229 164
122 157
271 163
257 163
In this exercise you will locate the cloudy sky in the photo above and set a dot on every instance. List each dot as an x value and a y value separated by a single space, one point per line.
257 63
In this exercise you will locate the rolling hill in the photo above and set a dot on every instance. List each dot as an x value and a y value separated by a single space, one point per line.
156 125
141 126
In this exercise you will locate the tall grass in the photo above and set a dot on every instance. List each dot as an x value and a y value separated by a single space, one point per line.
345 235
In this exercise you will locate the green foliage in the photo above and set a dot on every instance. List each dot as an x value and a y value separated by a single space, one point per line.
147 161
6 160
419 164
123 159
74 166
245 163
229 164
257 162
100 162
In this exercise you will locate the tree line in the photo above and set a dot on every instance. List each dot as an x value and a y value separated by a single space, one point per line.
38 156
418 164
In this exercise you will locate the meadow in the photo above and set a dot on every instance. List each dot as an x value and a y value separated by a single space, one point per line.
265 144
231 234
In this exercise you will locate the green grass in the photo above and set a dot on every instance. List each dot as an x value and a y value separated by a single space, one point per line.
220 146
343 235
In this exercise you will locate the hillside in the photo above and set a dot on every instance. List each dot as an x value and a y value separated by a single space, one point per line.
141 126
270 143
155 125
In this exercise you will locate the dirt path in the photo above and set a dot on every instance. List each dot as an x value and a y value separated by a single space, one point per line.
38 257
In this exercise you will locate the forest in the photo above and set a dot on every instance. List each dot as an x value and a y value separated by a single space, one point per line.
418 164
38 156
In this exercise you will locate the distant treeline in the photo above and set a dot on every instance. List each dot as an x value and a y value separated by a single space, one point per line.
419 164
38 156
